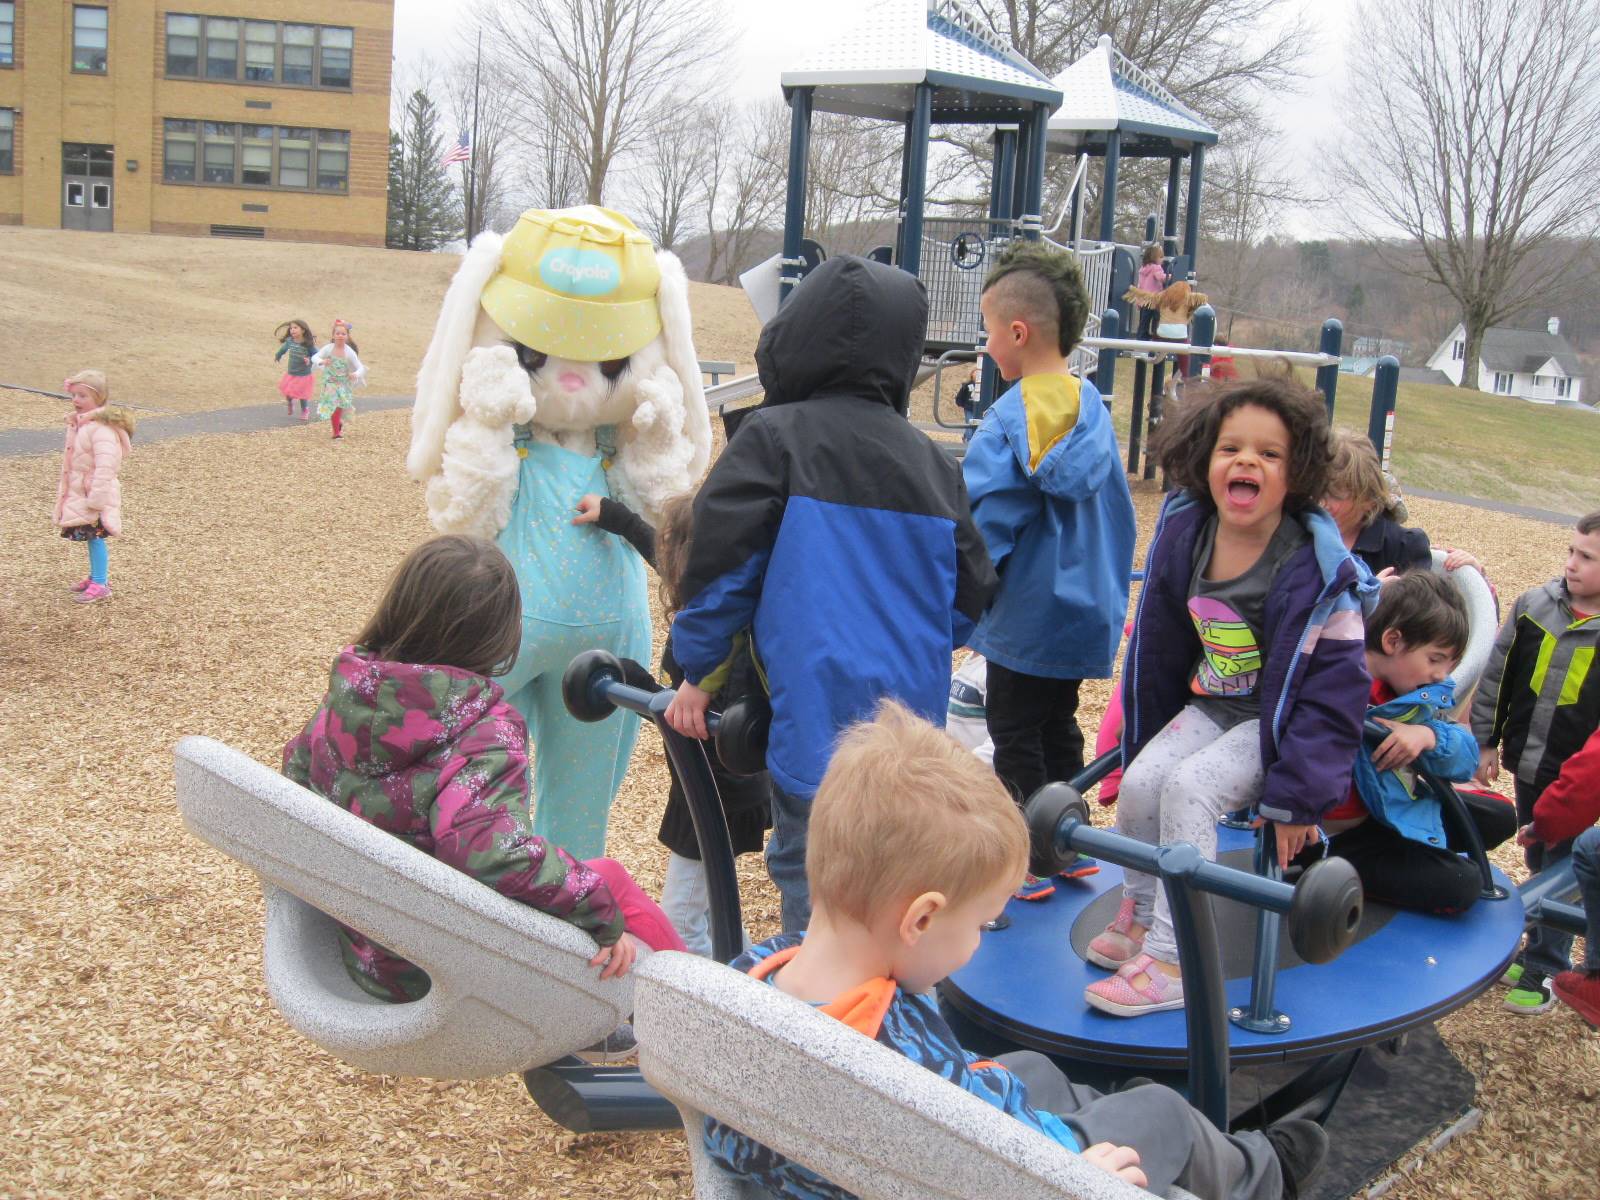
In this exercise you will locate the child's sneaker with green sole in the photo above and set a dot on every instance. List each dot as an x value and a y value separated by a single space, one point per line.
1531 996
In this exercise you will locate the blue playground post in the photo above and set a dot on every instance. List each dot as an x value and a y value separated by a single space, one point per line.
916 177
1380 423
794 213
1203 332
1003 170
1105 372
1191 214
1150 228
1108 188
1036 132
1328 377
1169 225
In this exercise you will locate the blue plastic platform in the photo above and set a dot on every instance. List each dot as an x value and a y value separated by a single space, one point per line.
1025 984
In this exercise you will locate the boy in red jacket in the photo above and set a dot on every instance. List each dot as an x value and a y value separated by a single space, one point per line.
1569 808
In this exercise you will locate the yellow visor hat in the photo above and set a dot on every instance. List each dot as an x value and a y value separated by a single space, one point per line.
576 283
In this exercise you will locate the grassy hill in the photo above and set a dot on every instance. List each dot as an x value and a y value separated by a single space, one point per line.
185 324
1448 439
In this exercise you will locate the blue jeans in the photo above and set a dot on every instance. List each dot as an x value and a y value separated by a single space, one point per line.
1586 866
786 857
1547 951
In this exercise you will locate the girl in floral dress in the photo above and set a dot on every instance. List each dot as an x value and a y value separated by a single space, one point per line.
339 372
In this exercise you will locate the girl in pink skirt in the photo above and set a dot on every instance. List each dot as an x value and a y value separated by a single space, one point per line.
296 382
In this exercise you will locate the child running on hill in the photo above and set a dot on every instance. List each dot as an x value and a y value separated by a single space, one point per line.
415 738
1245 681
1049 496
296 382
1536 706
914 847
745 798
837 534
1400 839
89 495
339 373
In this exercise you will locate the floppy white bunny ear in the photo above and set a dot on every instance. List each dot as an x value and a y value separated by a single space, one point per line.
438 401
677 336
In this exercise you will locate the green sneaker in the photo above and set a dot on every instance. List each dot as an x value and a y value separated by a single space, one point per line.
1531 997
1513 975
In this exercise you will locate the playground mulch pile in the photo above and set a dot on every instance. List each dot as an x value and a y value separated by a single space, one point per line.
141 1055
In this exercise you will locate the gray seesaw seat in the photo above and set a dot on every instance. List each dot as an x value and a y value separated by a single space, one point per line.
1483 624
512 987
715 1041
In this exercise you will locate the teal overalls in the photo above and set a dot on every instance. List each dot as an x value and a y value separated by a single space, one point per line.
582 589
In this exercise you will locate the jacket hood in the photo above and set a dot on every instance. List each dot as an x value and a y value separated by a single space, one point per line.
853 328
384 716
119 419
1076 466
1440 697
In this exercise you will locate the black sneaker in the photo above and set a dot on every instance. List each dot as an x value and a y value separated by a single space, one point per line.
1301 1146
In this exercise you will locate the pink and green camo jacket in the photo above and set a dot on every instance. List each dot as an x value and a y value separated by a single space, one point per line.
436 756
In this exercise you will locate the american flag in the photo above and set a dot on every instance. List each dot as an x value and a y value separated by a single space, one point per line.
459 153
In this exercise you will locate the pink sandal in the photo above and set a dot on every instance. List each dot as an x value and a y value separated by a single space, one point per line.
1119 997
1116 944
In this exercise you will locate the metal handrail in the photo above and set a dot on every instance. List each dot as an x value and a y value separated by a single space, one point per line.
1304 358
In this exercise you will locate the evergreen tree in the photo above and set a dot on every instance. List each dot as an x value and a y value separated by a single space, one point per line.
424 211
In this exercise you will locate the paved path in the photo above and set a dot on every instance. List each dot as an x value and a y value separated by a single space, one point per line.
257 417
250 419
1499 506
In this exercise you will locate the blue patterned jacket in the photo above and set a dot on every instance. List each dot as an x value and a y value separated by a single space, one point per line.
911 1026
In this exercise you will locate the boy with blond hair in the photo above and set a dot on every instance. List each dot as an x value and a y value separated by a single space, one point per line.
914 847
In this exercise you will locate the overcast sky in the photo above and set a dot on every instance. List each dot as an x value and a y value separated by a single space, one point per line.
770 35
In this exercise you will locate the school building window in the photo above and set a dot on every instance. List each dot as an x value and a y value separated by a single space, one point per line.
1502 383
231 154
1458 351
89 39
8 134
230 48
8 33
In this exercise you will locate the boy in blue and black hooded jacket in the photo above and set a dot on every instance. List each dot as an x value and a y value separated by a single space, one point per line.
1049 496
837 534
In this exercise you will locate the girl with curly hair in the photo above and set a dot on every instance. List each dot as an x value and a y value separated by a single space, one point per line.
1245 681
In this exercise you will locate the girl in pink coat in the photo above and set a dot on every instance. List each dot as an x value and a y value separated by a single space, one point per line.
89 498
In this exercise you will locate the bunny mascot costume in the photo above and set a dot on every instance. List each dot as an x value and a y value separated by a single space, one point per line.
562 363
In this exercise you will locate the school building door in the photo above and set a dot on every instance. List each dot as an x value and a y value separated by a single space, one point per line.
86 186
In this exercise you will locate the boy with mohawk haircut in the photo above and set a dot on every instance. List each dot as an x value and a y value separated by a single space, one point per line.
915 846
1048 494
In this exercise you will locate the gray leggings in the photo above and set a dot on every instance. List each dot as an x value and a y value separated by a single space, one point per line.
1176 1144
1186 777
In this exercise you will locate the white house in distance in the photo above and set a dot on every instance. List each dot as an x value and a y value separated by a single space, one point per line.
1536 365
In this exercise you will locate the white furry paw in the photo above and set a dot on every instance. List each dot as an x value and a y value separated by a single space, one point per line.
494 387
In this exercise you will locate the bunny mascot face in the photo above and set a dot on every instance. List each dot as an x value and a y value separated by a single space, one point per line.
562 364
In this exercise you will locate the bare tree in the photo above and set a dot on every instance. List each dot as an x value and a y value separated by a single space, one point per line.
744 165
606 66
670 178
1209 52
1473 136
1249 188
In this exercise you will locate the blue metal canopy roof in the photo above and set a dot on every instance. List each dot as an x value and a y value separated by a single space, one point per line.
1105 90
874 68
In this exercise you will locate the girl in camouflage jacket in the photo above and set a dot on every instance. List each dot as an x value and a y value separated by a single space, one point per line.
414 738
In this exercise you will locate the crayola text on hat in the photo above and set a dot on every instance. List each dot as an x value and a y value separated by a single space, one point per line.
576 283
